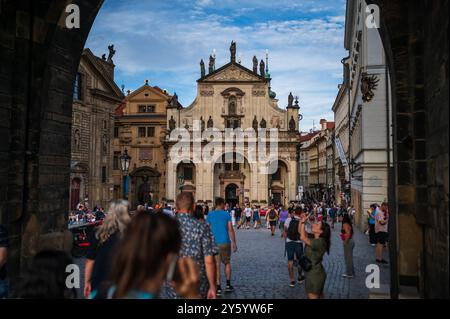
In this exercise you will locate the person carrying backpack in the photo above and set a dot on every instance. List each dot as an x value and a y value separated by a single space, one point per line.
272 217
293 246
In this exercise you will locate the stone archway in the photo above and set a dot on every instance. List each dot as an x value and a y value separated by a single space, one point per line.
39 58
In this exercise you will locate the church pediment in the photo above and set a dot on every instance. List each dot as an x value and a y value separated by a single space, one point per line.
232 73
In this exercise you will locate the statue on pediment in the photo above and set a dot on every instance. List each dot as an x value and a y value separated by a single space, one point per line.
233 51
290 100
202 68
255 64
212 62
262 69
112 52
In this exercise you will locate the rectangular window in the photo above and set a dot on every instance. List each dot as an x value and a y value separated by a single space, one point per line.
141 131
228 166
116 132
77 87
235 166
150 131
146 108
116 161
188 173
104 174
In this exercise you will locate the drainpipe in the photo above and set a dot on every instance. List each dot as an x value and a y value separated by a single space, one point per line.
393 257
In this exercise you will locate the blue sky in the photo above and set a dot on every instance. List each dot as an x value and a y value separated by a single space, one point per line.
163 41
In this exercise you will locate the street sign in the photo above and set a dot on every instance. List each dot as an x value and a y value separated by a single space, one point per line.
341 153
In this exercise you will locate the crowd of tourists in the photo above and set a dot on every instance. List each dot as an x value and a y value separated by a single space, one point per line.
182 251
83 215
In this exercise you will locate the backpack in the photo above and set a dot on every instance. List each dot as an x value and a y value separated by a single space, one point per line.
272 214
292 231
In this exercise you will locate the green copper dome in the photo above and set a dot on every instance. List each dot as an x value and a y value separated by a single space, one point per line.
272 94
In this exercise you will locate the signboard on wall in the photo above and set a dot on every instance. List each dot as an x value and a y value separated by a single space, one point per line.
341 152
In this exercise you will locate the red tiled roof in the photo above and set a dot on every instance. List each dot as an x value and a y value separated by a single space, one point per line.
330 125
120 108
308 136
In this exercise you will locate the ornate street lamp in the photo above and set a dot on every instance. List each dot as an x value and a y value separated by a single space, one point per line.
125 160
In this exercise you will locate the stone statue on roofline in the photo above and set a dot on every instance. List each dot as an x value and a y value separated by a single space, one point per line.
202 68
233 51
212 61
262 69
290 100
255 64
112 52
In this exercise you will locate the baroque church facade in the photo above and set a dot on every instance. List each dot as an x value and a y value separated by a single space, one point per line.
234 97
95 97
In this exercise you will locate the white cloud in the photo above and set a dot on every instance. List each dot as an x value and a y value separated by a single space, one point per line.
305 53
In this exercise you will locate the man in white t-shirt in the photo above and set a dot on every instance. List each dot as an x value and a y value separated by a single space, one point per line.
248 216
293 246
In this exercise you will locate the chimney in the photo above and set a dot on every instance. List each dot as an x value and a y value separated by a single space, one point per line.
323 124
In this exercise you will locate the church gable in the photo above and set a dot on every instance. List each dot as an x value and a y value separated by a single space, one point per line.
232 72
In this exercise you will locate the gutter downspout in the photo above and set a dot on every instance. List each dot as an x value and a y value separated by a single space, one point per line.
394 287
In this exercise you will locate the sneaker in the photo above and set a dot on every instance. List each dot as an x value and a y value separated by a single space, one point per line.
218 290
384 262
300 280
347 276
292 284
373 245
229 288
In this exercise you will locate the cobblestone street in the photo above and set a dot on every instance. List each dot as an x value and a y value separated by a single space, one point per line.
260 268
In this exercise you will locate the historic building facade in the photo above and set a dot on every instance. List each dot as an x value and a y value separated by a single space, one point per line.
304 164
140 129
235 97
319 149
342 142
95 98
369 105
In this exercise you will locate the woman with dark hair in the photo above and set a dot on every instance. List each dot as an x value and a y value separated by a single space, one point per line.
46 278
198 213
315 248
147 256
349 245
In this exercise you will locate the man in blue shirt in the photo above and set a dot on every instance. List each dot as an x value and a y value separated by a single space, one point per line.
222 229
